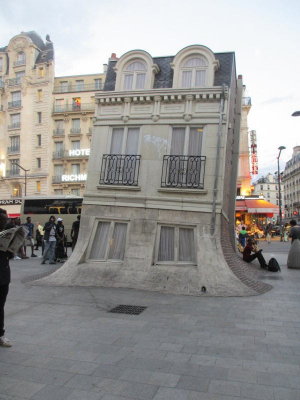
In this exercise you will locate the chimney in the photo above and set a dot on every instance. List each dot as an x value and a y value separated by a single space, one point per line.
113 57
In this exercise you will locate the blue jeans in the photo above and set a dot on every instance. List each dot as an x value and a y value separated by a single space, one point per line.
49 250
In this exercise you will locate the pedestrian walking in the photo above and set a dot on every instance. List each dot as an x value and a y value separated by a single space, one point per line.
50 241
29 241
39 236
60 241
242 236
4 282
293 260
75 231
268 232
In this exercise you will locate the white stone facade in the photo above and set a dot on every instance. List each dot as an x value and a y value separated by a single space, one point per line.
291 183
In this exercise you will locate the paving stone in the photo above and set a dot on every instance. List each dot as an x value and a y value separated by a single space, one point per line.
51 392
286 394
150 377
259 392
225 388
198 384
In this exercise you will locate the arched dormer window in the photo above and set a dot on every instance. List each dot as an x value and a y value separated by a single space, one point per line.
193 72
135 70
21 58
134 75
194 67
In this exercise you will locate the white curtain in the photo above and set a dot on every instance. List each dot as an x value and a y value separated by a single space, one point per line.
100 241
59 146
117 243
76 123
128 79
136 66
58 170
196 62
195 141
116 141
186 245
177 143
140 81
75 168
200 78
187 79
166 244
76 145
16 96
132 141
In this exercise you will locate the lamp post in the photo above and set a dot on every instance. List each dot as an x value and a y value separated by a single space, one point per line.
25 177
296 114
279 189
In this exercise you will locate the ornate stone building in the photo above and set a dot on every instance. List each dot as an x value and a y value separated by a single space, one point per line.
160 198
291 183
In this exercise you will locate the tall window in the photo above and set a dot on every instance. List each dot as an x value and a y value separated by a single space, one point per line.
15 143
58 170
41 72
59 126
19 75
16 99
75 144
38 186
176 244
80 84
134 75
1 64
125 141
39 117
76 104
39 140
109 241
21 58
59 105
38 163
39 95
75 169
193 72
98 84
186 141
76 125
15 120
59 149
14 168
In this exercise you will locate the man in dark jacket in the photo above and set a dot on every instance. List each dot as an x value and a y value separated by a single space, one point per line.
4 282
248 256
50 241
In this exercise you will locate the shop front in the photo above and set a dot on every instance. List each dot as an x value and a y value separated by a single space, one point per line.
12 207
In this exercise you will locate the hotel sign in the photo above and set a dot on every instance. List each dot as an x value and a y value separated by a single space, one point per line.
79 152
74 178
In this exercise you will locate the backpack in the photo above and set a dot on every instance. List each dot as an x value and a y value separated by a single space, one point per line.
273 265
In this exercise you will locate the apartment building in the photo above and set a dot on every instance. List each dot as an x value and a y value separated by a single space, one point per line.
291 183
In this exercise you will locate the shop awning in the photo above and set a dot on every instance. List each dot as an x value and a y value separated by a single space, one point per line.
256 206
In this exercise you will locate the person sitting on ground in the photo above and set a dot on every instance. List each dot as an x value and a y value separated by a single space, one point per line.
248 256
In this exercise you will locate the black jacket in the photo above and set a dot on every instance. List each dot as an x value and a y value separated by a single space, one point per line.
4 267
47 228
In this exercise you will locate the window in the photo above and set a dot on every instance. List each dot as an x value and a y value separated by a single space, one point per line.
19 75
75 169
58 170
64 86
98 84
76 104
75 145
59 149
38 186
39 140
21 59
38 163
80 85
1 64
124 140
75 125
58 191
176 244
15 121
109 241
194 72
15 143
261 187
59 105
41 72
59 126
39 117
16 99
14 168
134 75
39 95
75 192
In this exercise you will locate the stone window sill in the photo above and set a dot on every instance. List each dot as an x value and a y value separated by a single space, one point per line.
119 187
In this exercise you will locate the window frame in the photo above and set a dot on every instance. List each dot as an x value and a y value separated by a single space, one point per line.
176 245
193 70
112 222
124 140
188 129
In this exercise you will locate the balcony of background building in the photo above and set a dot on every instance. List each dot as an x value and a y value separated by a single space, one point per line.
15 125
75 131
10 173
57 179
13 149
77 88
118 169
73 108
246 101
19 63
183 172
58 155
14 104
58 132
14 82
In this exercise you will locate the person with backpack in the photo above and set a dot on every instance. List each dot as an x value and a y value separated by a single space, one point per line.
250 253
242 236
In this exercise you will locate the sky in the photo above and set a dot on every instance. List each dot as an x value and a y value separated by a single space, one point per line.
264 34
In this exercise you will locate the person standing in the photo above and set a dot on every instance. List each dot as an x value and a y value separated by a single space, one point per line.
39 236
60 241
50 241
268 232
293 260
242 236
75 231
29 241
4 282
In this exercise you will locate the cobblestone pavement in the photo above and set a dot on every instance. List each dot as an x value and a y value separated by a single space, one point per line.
66 345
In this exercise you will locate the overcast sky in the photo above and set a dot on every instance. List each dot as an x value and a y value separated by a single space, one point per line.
264 34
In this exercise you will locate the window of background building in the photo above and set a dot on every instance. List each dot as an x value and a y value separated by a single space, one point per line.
75 145
58 170
76 125
38 186
58 191
21 58
39 117
64 86
80 84
261 187
38 163
176 244
41 72
19 75
125 141
98 84
76 104
109 241
75 192
39 140
134 75
75 169
59 105
14 168
59 126
39 95
59 149
1 64
194 72
16 99
15 120
15 143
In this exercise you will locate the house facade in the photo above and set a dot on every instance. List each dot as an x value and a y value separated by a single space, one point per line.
159 205
291 186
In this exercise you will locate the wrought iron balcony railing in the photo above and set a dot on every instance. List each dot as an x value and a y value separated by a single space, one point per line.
57 179
13 149
59 132
15 125
183 171
77 88
12 172
57 155
14 104
14 82
120 169
18 63
61 108
75 130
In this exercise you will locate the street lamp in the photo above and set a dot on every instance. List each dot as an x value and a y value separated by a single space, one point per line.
296 114
279 188
25 177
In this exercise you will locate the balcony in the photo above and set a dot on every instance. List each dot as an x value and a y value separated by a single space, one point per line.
77 88
119 169
11 173
57 179
73 108
58 155
19 63
15 125
13 149
183 172
14 82
58 132
75 131
14 104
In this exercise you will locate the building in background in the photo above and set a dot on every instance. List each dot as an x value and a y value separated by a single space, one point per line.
291 183
159 206
45 122
267 186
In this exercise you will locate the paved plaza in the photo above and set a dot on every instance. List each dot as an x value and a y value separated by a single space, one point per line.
66 345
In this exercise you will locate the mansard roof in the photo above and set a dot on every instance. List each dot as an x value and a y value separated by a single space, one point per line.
164 78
